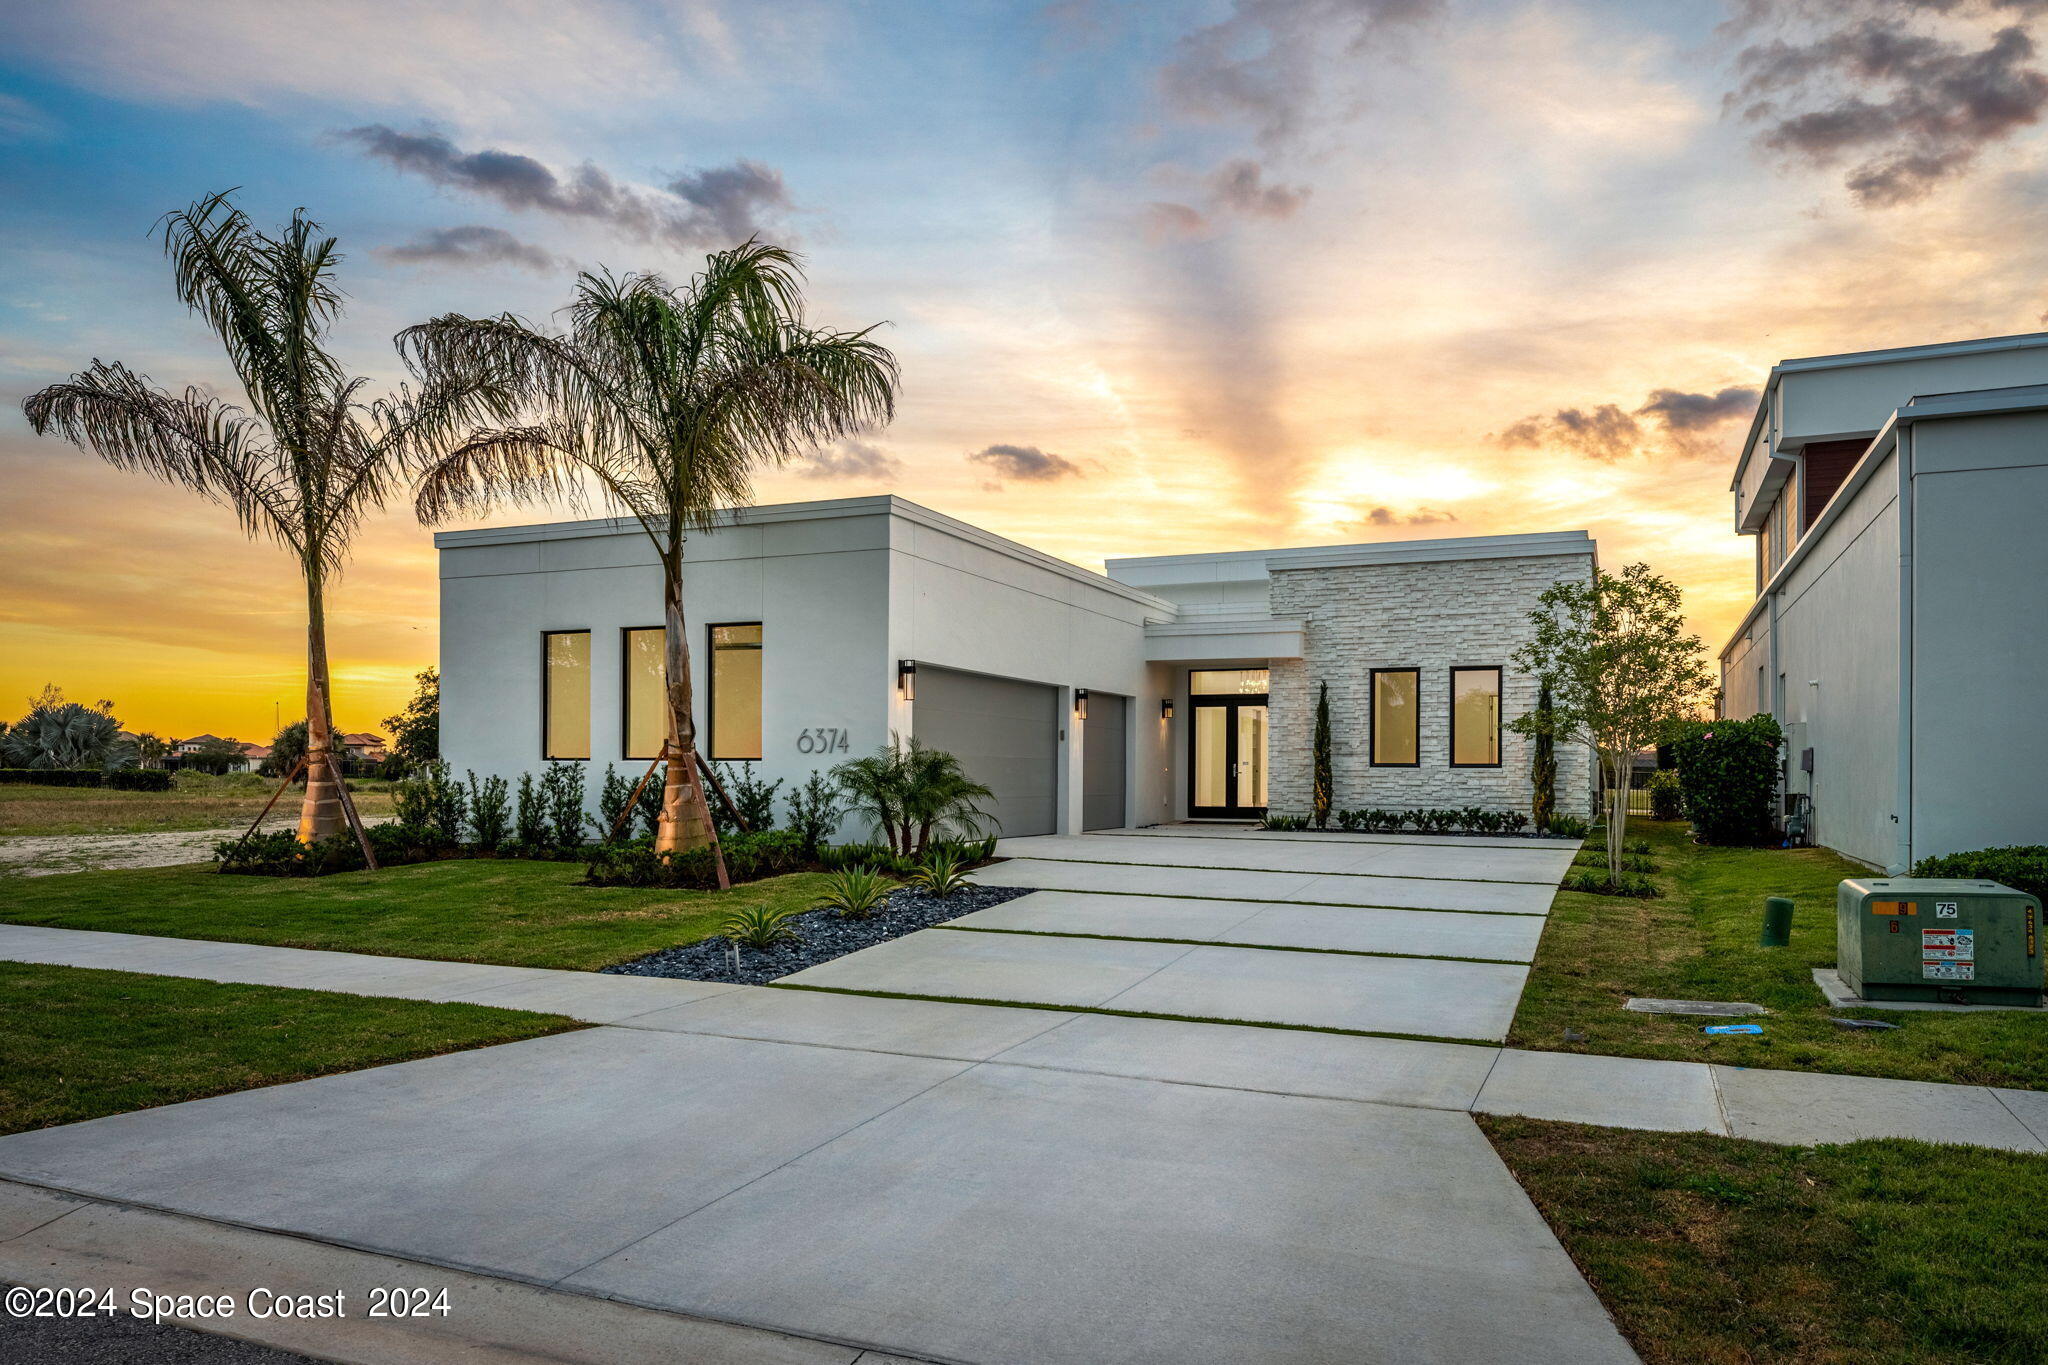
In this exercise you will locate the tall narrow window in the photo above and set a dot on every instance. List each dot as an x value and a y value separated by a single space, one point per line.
1475 718
565 694
736 691
1396 719
646 708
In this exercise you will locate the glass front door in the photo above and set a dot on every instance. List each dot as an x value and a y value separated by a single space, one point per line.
1227 759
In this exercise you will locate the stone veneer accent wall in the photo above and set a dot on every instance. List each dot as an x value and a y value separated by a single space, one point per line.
1427 616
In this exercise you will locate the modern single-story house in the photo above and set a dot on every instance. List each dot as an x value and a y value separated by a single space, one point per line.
1165 688
1900 629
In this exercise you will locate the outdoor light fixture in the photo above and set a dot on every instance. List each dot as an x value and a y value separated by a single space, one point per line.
906 678
1166 709
1080 703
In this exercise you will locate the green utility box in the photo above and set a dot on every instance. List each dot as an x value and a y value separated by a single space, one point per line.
1957 940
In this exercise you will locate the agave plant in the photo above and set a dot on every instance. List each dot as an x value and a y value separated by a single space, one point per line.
940 874
759 926
855 892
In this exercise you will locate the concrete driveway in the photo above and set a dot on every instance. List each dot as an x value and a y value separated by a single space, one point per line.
948 1181
1428 937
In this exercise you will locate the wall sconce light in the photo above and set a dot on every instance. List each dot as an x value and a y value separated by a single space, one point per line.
906 678
1166 709
1080 703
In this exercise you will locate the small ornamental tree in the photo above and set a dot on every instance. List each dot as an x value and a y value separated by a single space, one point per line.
416 731
1323 782
1619 666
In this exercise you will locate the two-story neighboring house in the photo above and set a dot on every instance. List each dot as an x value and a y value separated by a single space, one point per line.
1899 501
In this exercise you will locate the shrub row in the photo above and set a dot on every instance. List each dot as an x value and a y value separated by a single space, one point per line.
119 779
1597 882
748 857
1470 819
2023 867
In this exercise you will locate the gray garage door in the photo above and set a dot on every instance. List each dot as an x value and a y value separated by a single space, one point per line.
1102 762
1006 734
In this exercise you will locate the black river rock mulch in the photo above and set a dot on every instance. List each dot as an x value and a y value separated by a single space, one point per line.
822 936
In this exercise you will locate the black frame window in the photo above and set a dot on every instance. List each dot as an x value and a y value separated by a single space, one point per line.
643 682
1386 736
1475 707
736 687
565 694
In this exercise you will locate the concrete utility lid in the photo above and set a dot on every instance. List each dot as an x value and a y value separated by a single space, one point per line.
1718 1008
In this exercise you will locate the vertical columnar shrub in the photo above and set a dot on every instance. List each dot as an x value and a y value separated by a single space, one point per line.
562 795
814 811
530 821
1543 764
1323 776
489 811
611 802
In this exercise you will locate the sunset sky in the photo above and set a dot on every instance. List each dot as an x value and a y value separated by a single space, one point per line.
1163 277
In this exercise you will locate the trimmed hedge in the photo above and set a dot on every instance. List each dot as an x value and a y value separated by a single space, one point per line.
120 779
1728 770
748 858
52 777
2023 867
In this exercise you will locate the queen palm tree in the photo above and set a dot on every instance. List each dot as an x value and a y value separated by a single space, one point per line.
308 457
664 401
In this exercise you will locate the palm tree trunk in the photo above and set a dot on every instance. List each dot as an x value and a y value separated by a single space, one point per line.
320 812
685 817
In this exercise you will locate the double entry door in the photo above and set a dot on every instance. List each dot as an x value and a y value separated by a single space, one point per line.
1227 738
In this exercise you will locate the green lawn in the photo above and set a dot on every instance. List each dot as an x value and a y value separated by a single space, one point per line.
1711 1249
195 801
76 1044
525 914
1699 943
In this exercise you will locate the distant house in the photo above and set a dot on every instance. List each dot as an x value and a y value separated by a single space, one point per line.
185 747
365 748
182 750
256 755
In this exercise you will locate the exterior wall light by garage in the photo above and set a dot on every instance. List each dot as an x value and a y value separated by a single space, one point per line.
1080 703
906 678
1166 709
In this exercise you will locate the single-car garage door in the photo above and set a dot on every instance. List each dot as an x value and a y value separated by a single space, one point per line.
1005 734
1102 762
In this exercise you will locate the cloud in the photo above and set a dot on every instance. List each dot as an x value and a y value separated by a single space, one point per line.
716 207
1240 187
1024 464
1257 65
471 246
21 121
1421 516
850 459
1688 424
1903 107
1692 411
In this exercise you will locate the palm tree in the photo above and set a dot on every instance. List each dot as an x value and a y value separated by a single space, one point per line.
307 458
665 400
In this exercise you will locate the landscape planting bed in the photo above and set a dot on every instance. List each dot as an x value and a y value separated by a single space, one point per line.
822 935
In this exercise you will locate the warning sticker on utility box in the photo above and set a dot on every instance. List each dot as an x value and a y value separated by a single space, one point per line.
1948 945
1948 971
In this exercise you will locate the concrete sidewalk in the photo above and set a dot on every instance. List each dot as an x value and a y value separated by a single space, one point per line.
1773 1106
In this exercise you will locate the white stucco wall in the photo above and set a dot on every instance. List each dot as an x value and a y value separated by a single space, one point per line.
1838 642
1980 634
842 589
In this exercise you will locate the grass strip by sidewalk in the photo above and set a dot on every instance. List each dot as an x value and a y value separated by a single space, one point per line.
1699 943
196 801
509 911
1713 1249
78 1043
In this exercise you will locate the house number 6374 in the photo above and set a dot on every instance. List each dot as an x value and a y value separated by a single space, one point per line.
822 740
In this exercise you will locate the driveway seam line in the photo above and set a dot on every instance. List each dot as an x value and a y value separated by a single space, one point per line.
1279 871
2018 1118
1253 900
1226 943
1104 1004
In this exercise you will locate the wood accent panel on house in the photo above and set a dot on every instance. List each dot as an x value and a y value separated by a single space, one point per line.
1826 464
